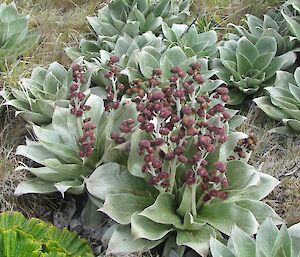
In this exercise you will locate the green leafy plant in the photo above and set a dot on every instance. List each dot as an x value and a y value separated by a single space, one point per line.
293 22
21 237
270 242
36 98
15 37
74 144
248 67
272 25
193 43
283 100
186 177
131 18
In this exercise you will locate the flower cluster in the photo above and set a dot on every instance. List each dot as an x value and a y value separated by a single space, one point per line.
115 88
184 127
243 147
78 108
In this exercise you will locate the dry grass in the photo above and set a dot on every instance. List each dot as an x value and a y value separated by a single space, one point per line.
279 156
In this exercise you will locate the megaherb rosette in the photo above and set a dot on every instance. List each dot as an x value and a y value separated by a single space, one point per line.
15 36
283 100
270 241
249 67
74 144
36 98
186 178
131 18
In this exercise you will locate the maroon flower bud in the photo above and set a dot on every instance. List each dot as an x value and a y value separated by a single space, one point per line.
223 195
76 67
179 150
174 139
149 158
188 121
204 140
79 113
226 115
165 113
196 157
154 180
163 175
214 193
175 119
165 184
204 163
222 90
215 179
73 110
179 93
224 183
164 131
206 198
192 131
158 94
169 156
220 166
204 186
144 143
81 153
173 78
114 58
186 110
159 142
108 74
120 86
140 107
80 96
219 108
120 140
150 128
210 148
141 118
183 159
202 172
191 71
190 178
157 72
74 86
175 69
156 164
195 65
225 98
115 105
198 78
181 74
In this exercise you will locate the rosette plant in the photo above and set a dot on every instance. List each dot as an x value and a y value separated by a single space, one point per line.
187 177
74 144
272 25
270 241
36 98
21 237
193 43
248 67
283 100
293 22
15 36
132 18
